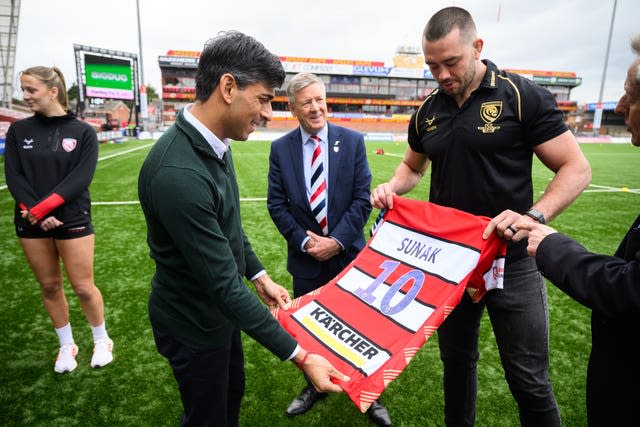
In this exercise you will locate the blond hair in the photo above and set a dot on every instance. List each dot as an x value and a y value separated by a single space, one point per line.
51 77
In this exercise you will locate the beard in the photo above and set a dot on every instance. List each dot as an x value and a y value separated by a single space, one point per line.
464 82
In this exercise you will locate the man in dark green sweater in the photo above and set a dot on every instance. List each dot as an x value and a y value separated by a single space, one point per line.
189 195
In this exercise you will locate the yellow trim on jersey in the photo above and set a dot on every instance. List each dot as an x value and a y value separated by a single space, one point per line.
517 94
435 91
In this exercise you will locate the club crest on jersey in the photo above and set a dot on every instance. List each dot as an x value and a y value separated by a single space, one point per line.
27 143
69 144
489 112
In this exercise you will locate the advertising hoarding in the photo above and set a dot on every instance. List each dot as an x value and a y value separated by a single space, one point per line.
108 77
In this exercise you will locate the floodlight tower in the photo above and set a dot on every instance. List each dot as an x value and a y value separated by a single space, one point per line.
9 14
597 116
143 92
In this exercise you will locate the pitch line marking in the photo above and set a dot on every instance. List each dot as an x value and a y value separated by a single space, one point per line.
128 202
137 202
4 186
392 154
120 153
608 189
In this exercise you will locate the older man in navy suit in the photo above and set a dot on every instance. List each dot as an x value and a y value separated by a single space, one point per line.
319 183
609 286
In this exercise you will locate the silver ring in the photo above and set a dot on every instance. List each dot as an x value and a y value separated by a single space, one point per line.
513 230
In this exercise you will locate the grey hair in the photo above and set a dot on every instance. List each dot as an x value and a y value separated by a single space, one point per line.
635 46
299 82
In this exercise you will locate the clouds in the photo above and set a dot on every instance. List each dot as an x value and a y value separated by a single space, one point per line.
545 35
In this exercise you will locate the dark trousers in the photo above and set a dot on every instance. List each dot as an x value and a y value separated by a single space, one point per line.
519 316
330 269
211 380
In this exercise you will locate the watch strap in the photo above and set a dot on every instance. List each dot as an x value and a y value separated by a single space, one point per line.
536 214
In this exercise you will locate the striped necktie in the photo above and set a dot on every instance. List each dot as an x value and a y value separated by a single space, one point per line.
318 198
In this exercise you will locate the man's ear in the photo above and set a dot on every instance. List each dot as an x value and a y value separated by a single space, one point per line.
477 48
292 110
227 87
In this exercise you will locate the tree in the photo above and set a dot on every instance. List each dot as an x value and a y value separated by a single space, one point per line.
72 92
151 93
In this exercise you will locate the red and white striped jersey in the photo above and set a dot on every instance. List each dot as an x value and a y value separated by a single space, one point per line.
375 315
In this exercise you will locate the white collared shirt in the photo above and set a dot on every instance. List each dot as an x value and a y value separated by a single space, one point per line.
219 146
307 154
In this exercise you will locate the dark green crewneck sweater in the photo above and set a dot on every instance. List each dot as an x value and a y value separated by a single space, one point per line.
191 204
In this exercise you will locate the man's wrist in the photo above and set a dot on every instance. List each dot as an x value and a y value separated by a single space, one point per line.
301 357
536 215
259 277
304 243
339 243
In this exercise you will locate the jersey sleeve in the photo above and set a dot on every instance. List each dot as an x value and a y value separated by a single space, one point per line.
75 182
489 273
542 118
17 182
413 135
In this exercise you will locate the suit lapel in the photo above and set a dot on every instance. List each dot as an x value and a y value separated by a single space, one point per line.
334 146
295 150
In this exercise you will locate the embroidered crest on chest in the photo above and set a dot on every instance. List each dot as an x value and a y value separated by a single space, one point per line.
490 112
69 144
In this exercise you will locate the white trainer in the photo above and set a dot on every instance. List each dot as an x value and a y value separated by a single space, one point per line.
102 353
66 360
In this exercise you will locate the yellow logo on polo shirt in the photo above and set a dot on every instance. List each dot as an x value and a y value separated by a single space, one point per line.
489 112
429 122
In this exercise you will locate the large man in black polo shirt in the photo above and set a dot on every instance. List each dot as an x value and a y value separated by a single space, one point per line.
480 129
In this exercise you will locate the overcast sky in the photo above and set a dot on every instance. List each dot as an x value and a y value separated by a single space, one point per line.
551 35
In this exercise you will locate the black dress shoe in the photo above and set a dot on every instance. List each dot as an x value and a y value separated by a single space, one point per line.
379 414
305 401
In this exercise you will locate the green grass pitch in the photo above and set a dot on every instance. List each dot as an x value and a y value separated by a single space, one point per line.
138 389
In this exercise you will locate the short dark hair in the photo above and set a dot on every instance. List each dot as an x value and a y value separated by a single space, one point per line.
445 20
240 55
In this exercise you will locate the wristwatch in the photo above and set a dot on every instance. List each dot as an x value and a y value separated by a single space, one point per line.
536 214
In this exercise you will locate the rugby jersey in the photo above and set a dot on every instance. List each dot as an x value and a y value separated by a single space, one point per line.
49 165
375 315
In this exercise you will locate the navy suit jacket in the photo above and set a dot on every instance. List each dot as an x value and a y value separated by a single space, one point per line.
610 287
348 205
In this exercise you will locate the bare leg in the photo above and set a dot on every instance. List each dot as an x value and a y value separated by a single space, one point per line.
42 257
77 257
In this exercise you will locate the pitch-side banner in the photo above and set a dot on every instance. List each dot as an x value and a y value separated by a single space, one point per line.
375 315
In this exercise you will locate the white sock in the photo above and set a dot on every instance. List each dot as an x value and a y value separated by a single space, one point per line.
99 332
65 335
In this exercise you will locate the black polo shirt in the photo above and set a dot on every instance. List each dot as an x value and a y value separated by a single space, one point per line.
481 153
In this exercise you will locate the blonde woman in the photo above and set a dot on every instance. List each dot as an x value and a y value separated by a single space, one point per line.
50 159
